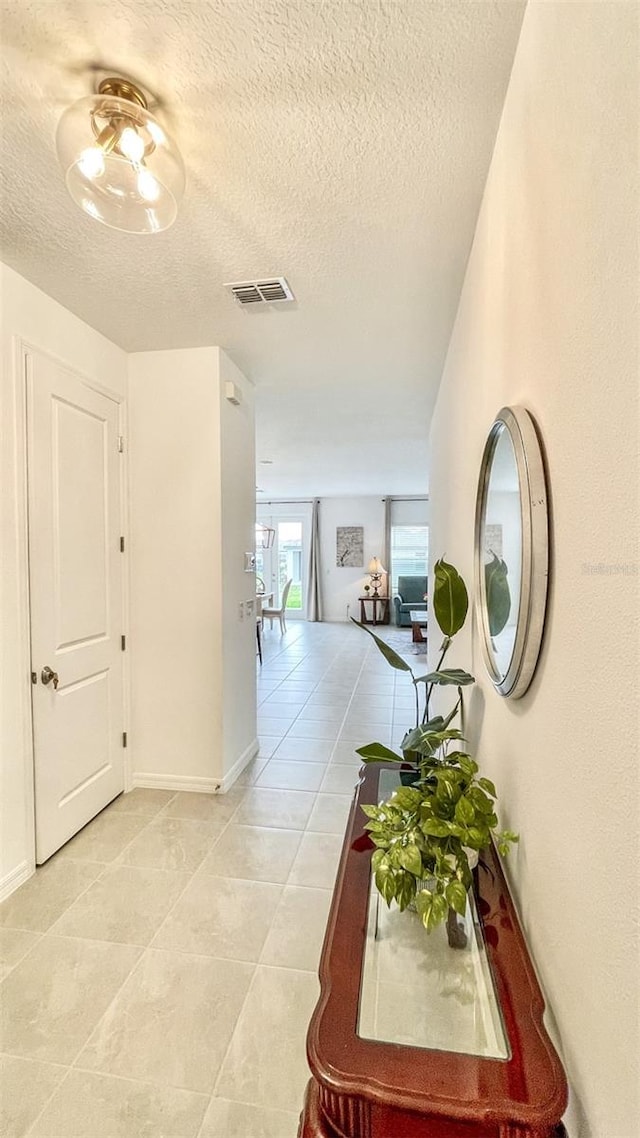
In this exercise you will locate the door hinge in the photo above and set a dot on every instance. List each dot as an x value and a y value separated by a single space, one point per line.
120 444
124 738
122 545
34 677
123 643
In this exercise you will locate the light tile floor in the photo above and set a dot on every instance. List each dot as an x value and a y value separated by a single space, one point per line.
158 974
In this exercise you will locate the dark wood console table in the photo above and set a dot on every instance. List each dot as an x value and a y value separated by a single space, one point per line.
413 1039
380 612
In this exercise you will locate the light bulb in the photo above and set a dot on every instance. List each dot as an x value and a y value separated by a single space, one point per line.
148 187
91 162
131 144
157 133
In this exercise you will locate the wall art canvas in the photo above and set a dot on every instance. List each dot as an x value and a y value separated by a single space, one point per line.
350 547
493 540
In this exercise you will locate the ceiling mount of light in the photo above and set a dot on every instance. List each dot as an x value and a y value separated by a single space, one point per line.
120 165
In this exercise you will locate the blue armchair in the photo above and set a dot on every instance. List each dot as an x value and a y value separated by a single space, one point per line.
411 591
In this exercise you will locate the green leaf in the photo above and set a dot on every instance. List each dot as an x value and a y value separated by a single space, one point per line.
405 890
465 812
448 676
424 742
439 909
379 860
483 804
385 884
487 785
390 656
456 895
436 828
378 753
476 837
504 840
411 860
407 798
450 598
498 595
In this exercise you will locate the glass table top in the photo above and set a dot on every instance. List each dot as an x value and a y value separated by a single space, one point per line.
418 991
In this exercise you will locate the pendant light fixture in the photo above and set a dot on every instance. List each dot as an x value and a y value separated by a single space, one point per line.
120 165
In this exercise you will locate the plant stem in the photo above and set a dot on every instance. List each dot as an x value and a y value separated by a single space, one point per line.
445 649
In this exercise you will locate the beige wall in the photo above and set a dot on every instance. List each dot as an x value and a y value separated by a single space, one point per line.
548 319
28 315
192 473
237 497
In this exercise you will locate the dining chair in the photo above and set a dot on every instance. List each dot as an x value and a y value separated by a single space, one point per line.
259 636
271 613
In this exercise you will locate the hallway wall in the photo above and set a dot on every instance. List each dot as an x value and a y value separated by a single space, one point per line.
192 519
548 319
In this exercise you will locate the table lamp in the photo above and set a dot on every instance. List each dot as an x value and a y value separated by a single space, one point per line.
375 571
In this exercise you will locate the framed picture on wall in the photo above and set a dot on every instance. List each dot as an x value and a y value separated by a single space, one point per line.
493 540
350 547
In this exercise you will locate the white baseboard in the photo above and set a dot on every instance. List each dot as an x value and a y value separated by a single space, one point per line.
15 878
176 782
195 782
238 767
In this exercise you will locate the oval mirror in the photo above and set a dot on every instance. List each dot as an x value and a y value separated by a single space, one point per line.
511 551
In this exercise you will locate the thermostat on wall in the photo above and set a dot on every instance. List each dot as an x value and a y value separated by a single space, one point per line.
232 393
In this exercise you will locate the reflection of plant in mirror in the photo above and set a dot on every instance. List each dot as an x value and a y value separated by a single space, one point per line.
498 594
427 829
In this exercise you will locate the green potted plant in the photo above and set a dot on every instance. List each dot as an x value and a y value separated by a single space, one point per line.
429 833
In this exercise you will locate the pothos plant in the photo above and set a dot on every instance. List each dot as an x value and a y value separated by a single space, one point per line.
427 831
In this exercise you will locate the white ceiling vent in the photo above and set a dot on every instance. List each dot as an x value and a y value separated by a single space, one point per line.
273 291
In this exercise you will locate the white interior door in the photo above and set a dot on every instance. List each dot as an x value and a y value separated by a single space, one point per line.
76 601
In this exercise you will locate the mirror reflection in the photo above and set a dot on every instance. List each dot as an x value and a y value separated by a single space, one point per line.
502 550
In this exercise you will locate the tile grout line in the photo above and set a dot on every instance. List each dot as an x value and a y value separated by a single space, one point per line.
73 1066
192 875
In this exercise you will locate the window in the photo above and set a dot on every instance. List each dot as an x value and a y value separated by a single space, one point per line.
409 553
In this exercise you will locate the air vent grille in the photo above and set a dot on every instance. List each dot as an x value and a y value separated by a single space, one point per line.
273 291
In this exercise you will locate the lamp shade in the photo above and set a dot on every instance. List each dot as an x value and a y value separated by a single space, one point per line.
120 165
375 566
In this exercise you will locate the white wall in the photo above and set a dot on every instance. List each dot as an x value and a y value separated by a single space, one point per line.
28 314
237 496
341 587
548 319
192 517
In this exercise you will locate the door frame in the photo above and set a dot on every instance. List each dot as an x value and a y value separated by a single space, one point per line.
24 350
273 512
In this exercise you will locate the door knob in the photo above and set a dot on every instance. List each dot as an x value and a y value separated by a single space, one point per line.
47 675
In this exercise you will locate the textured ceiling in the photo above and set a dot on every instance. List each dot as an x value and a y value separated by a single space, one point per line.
341 143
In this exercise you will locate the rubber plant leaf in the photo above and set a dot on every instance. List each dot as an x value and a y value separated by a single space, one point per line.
450 598
378 753
390 656
448 676
498 594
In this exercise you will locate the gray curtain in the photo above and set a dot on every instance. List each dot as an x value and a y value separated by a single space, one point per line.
314 590
386 551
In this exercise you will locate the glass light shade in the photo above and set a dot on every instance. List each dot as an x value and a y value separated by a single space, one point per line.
120 165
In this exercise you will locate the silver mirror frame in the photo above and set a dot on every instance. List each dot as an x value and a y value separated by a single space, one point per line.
535 551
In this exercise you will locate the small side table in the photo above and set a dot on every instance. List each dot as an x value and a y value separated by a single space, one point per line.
418 618
379 610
